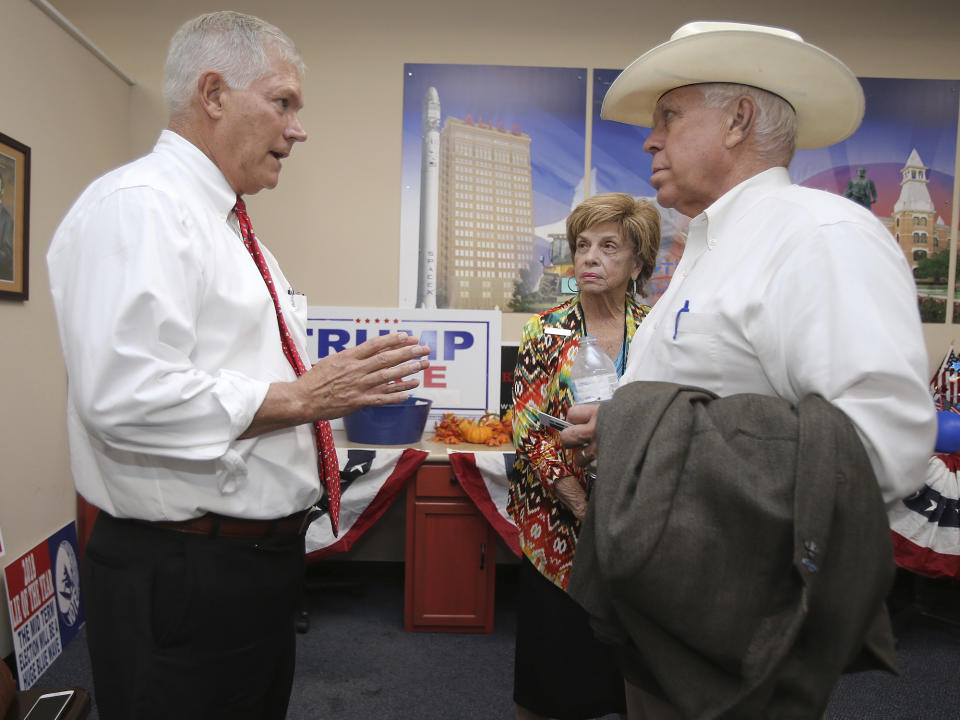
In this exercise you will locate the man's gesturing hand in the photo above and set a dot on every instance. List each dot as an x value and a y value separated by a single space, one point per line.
369 374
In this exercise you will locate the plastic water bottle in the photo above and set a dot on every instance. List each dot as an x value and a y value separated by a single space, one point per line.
593 374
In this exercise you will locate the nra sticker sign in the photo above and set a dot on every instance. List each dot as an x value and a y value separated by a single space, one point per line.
464 372
43 598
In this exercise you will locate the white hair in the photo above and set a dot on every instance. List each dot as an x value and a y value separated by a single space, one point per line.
775 127
239 47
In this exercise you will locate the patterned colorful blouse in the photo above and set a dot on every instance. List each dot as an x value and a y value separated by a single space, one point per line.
548 529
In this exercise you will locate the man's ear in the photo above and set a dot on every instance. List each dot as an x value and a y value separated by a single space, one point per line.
210 88
740 121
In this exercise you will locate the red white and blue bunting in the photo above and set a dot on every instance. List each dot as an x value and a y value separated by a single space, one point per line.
370 481
926 525
485 478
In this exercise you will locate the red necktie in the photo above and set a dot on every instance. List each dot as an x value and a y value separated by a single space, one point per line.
327 453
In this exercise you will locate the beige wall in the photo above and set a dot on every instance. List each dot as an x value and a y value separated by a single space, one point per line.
334 221
73 114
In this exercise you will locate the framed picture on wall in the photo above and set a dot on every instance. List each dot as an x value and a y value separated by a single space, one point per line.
14 218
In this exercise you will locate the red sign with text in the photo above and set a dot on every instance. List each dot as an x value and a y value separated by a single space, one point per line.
43 597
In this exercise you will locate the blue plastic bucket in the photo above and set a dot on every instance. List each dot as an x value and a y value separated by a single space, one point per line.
948 432
400 424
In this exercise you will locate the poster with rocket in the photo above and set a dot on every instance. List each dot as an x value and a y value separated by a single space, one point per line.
493 160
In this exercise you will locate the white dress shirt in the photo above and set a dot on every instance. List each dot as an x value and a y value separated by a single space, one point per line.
787 291
171 341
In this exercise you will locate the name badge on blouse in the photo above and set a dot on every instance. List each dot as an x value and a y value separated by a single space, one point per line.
564 332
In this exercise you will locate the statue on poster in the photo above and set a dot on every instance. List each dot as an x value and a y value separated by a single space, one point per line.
861 189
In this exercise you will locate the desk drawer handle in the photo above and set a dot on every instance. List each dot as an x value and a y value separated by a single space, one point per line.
483 555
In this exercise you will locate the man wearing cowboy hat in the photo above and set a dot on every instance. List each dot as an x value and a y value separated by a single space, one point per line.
782 291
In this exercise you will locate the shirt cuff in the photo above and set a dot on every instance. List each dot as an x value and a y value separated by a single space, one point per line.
240 396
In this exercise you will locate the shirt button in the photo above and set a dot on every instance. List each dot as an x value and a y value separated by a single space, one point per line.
712 243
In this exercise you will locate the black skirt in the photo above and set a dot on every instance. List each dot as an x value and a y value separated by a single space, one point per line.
560 669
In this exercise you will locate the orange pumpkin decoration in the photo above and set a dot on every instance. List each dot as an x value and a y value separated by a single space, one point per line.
474 433
488 430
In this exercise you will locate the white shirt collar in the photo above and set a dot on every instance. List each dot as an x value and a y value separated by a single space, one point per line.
201 171
729 207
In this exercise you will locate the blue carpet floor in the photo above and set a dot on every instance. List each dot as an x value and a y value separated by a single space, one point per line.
357 663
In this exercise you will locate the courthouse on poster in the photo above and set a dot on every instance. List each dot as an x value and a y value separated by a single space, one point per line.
483 145
906 148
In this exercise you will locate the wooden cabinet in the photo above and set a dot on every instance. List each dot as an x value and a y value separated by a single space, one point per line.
450 557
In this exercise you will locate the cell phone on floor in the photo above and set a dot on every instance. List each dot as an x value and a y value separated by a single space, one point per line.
553 422
50 706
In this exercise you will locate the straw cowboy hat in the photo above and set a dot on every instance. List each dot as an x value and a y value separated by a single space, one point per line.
825 94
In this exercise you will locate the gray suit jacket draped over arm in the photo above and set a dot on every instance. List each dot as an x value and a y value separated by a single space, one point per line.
735 549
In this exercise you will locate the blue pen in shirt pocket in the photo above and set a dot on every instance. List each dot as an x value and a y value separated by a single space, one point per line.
676 324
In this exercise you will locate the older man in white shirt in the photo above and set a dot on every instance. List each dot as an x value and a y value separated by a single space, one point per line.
194 424
782 291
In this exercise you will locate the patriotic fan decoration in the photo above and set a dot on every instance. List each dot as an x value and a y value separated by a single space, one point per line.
926 525
945 383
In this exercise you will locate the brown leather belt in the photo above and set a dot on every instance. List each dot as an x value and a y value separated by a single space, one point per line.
222 526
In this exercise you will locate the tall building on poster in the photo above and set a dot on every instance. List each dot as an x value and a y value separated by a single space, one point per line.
914 224
429 201
486 233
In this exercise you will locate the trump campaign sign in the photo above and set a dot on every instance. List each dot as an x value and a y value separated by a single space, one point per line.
43 597
464 373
